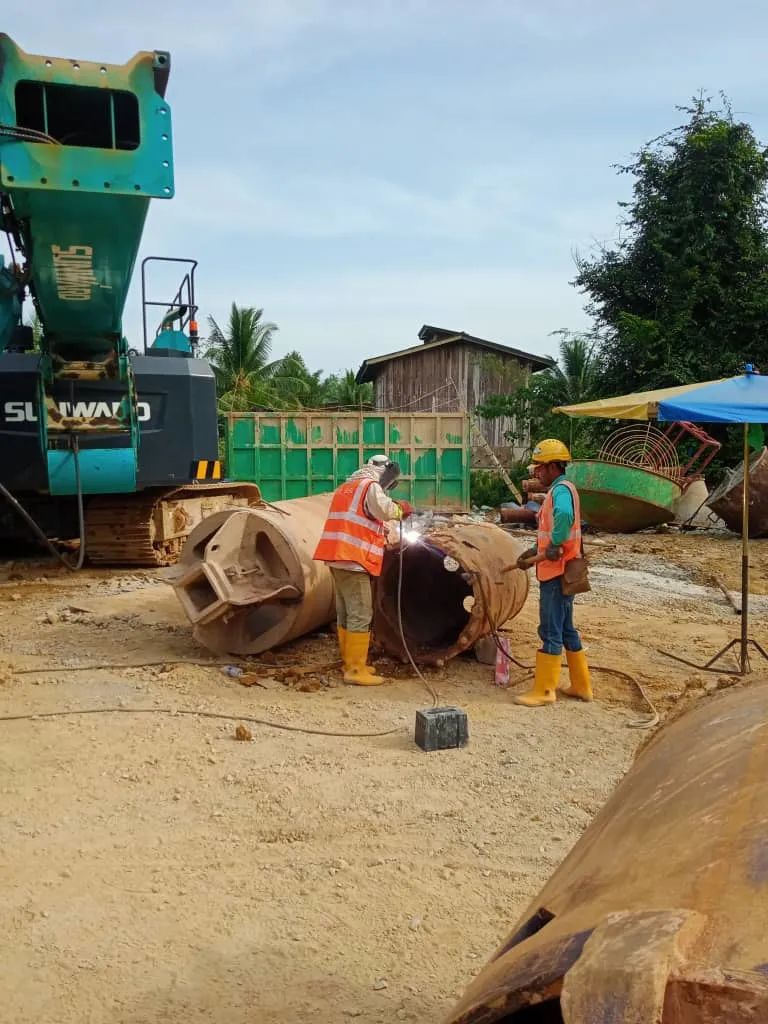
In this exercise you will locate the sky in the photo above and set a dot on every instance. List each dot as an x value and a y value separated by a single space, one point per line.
359 169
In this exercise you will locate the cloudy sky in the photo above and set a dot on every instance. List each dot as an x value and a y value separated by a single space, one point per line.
361 168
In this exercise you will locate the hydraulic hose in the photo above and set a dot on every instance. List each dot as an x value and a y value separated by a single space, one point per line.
39 533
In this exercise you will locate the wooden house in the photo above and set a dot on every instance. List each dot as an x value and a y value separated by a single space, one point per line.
449 371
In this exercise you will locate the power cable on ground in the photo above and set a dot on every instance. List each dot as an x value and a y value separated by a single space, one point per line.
31 716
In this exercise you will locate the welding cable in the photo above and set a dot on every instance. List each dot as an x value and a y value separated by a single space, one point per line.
430 689
495 634
650 722
39 533
174 712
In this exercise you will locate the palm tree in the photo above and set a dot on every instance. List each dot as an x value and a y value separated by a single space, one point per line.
296 385
573 379
239 357
345 391
575 375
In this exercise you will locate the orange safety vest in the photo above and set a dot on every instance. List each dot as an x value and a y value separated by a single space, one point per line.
571 547
349 534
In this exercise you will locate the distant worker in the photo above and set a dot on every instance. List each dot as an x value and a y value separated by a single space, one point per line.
352 544
558 542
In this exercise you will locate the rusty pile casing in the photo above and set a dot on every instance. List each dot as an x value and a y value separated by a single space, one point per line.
518 515
727 500
454 591
247 579
659 915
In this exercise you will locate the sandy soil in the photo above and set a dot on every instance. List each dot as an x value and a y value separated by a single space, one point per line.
157 870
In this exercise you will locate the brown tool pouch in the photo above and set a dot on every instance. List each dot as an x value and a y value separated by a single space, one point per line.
575 579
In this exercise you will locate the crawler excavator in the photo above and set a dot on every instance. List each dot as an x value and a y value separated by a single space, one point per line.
99 440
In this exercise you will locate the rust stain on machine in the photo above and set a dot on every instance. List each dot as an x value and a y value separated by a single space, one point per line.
659 915
247 579
454 590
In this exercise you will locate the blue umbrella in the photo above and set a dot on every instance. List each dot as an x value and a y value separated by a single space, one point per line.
736 399
742 399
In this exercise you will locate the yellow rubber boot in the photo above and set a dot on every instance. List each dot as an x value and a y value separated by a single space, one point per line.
544 683
355 668
578 670
342 634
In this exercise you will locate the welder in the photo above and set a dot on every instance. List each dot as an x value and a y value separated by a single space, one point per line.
352 544
558 543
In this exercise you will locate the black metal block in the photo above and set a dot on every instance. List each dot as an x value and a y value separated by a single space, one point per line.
441 728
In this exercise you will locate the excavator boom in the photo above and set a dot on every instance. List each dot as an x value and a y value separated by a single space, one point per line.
87 422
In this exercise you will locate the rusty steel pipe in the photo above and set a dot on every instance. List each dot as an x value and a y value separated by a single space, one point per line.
454 591
247 580
659 915
518 515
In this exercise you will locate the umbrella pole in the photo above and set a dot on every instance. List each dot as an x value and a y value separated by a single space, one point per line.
744 653
745 641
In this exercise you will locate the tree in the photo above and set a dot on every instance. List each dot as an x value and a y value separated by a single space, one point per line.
572 380
683 295
343 390
295 385
240 360
246 378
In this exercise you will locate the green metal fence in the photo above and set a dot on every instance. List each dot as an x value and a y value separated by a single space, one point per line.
291 455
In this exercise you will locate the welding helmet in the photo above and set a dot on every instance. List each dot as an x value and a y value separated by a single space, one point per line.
390 473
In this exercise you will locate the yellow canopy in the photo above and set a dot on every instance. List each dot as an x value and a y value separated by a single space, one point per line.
643 405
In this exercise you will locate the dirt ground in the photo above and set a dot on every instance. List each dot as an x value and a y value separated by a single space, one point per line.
157 870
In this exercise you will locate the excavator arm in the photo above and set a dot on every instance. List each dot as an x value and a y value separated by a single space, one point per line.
84 147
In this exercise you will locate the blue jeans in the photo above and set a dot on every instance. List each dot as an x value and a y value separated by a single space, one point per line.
556 627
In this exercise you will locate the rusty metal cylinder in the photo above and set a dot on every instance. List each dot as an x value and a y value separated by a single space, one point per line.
518 515
247 579
660 912
454 590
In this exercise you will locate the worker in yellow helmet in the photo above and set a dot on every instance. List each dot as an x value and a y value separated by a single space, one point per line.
558 542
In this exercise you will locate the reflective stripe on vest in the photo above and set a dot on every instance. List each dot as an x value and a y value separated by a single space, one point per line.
349 534
571 546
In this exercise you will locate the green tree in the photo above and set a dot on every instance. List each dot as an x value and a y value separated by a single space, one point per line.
295 385
573 379
683 295
240 359
343 390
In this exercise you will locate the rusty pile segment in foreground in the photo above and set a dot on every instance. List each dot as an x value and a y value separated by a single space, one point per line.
659 915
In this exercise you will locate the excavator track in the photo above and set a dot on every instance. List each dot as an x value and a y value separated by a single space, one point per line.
150 528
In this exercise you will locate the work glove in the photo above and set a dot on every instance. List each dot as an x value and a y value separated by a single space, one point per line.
553 553
524 561
406 507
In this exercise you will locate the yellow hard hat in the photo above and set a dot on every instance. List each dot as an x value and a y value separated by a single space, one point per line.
550 450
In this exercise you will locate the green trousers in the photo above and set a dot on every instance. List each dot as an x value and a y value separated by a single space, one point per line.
354 600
